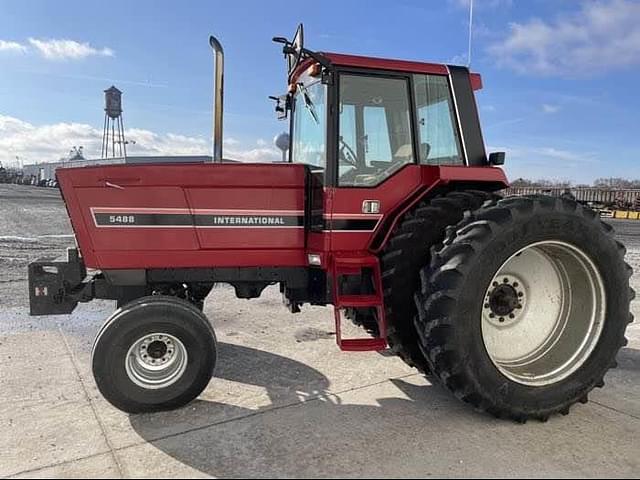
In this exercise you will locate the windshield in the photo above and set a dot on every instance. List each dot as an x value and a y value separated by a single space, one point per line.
309 125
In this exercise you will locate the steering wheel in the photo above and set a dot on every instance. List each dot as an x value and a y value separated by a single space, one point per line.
347 153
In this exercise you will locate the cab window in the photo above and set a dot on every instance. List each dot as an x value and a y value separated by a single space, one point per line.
374 139
437 128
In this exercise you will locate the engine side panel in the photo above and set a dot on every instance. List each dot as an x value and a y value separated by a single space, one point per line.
137 218
248 218
188 215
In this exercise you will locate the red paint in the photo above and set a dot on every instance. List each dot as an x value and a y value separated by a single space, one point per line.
374 63
476 81
357 61
188 187
353 265
232 188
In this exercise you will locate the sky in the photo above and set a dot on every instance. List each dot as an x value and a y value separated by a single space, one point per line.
560 90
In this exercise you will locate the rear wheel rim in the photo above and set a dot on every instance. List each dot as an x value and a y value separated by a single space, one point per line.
543 313
156 361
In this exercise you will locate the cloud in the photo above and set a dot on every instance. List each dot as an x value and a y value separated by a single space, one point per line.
151 143
460 59
56 49
602 35
9 46
62 49
547 108
262 154
49 143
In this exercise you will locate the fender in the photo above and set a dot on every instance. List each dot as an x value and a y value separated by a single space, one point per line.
435 180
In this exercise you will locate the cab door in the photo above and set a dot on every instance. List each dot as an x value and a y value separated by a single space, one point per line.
376 158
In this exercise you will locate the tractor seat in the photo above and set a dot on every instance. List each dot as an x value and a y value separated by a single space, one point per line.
406 151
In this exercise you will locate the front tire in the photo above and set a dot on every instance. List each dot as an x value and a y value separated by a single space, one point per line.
155 353
524 308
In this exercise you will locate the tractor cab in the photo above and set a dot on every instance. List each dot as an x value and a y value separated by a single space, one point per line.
361 120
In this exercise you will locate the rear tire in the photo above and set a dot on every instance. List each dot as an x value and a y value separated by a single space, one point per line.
406 252
155 353
524 308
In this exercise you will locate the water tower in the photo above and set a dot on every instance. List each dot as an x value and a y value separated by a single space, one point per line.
113 143
282 142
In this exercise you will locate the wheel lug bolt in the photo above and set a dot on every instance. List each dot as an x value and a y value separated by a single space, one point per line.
519 306
511 315
520 294
495 284
491 315
501 319
515 284
506 280
486 305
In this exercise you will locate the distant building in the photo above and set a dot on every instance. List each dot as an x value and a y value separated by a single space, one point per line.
47 171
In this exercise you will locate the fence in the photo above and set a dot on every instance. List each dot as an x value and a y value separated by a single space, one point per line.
622 198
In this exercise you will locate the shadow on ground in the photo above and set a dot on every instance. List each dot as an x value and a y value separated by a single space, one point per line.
265 442
629 360
409 429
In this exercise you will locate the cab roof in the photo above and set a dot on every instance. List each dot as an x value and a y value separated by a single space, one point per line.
375 63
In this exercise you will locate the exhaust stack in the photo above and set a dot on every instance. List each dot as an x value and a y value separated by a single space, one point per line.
218 95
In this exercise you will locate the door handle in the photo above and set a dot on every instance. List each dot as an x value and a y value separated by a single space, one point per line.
119 182
113 185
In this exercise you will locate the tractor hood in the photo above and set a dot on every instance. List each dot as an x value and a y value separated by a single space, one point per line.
135 216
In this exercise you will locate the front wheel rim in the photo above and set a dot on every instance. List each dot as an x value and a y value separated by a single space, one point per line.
156 361
543 313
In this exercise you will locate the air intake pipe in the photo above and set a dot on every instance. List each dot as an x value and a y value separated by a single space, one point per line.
218 95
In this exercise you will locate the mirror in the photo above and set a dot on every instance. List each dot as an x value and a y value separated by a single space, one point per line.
497 158
297 45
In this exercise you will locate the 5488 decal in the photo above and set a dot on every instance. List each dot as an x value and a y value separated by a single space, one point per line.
122 219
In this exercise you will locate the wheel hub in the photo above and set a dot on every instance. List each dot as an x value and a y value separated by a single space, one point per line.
505 300
156 361
157 349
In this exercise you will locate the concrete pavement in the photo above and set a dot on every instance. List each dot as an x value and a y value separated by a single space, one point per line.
285 402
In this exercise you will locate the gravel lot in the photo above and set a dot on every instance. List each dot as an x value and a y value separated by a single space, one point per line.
284 401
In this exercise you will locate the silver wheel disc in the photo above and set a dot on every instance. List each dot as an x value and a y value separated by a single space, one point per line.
543 313
156 361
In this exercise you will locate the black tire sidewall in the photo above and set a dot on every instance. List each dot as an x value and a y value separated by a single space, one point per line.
506 240
130 324
426 226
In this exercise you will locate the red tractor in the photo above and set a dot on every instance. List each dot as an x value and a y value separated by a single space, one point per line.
387 209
